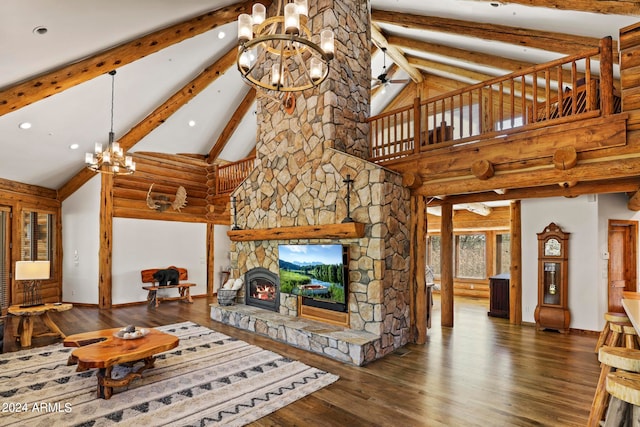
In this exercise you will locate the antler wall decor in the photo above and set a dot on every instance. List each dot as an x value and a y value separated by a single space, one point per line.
162 203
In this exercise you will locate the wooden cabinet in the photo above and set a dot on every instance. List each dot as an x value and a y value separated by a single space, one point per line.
552 311
499 296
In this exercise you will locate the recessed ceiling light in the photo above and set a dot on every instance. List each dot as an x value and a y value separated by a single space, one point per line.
74 146
192 123
221 35
25 125
40 30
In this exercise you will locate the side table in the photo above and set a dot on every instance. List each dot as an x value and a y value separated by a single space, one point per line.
27 314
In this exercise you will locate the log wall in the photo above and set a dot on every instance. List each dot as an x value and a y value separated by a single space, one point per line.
19 197
166 173
630 73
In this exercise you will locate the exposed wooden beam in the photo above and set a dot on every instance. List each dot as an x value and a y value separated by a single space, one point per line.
468 56
55 81
593 187
158 116
232 125
614 7
457 73
538 177
634 202
395 54
545 40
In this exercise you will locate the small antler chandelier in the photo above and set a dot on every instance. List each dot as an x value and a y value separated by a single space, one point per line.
112 160
277 53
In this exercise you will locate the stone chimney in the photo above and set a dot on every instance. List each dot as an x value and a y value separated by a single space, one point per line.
302 160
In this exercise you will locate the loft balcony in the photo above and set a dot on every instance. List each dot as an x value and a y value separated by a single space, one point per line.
541 131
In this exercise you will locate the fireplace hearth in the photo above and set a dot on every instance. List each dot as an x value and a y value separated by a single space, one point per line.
262 289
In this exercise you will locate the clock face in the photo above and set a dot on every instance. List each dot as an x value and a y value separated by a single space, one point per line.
552 247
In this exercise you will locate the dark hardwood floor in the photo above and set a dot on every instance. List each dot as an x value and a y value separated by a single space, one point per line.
482 372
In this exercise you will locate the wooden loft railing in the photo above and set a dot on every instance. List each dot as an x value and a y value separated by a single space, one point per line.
543 95
229 176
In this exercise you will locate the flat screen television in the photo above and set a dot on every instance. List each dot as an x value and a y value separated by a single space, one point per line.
318 273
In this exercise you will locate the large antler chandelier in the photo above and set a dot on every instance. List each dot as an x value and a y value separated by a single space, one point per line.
112 160
278 53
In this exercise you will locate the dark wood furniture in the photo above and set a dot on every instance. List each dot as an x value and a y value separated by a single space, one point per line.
552 311
499 295
585 98
27 316
441 133
102 350
184 294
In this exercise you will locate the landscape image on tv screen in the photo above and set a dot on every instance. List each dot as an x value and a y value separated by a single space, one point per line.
315 271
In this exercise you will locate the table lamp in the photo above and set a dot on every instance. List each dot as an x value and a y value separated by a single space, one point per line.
30 273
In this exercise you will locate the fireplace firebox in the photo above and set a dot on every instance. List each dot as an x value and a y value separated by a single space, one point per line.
262 289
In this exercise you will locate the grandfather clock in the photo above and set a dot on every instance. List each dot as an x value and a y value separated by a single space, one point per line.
552 311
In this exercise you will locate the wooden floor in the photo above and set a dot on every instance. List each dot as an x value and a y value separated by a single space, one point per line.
482 372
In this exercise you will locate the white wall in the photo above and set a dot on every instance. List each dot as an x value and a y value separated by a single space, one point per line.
80 244
586 218
221 250
143 244
137 245
578 216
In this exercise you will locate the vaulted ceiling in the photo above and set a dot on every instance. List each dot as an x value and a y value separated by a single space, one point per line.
177 89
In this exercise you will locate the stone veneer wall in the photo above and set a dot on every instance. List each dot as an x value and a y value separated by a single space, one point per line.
379 261
302 160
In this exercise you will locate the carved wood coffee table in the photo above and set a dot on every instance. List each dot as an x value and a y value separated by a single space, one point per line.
102 350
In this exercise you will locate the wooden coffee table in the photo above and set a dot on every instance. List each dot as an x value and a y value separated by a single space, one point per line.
102 350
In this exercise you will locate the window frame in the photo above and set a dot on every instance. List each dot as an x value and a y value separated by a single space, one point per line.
491 257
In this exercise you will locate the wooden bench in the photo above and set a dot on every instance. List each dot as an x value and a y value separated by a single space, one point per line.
153 298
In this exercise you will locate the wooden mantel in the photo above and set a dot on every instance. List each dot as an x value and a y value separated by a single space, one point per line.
329 231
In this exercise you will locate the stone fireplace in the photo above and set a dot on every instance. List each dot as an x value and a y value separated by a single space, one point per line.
262 289
302 160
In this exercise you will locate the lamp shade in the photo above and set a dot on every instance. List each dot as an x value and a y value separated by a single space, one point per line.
32 270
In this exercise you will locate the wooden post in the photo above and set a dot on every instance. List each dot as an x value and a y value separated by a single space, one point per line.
416 126
106 242
446 265
606 76
210 259
418 304
515 282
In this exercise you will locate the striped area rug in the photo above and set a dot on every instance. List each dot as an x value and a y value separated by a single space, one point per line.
209 379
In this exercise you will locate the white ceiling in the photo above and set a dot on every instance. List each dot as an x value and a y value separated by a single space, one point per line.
81 28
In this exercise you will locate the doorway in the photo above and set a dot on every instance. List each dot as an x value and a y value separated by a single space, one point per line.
622 246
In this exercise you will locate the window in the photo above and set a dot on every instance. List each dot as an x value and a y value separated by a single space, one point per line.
470 256
4 260
433 254
37 243
503 253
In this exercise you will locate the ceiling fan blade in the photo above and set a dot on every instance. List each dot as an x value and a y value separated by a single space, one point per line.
399 81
